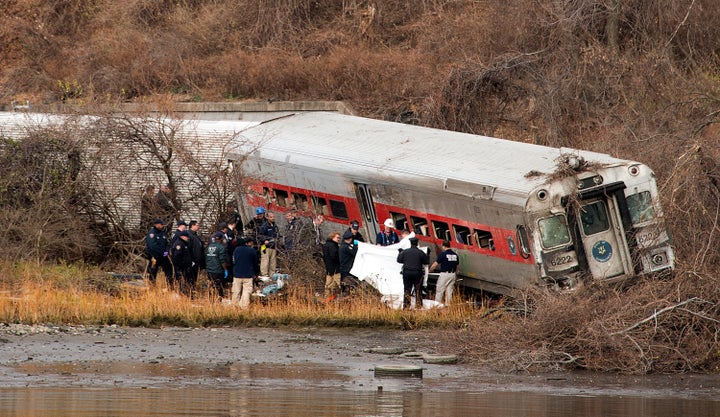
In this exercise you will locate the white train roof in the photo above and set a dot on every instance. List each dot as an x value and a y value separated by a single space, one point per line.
369 150
395 153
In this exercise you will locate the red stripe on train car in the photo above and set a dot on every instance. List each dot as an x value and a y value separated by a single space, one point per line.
501 237
282 198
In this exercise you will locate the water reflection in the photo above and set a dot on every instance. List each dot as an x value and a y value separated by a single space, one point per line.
206 401
180 370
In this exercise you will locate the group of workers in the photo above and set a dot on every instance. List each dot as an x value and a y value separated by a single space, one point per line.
232 254
339 255
236 254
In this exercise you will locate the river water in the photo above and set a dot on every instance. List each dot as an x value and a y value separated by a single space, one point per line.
114 371
311 390
206 401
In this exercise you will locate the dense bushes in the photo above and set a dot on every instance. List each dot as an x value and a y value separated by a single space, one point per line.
43 203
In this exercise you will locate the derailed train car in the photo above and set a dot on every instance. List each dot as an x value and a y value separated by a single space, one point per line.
517 214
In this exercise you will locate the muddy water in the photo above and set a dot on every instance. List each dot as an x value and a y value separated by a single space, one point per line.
114 371
206 401
233 389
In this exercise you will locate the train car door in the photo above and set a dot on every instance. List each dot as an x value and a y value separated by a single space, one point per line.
367 210
602 236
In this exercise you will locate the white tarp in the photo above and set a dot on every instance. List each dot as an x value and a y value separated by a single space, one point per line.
378 266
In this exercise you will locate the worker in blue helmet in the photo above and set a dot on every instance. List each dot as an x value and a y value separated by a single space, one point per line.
252 227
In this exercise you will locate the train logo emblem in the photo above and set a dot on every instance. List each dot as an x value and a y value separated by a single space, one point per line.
511 245
602 251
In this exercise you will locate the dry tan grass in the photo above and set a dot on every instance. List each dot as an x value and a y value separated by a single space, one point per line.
61 294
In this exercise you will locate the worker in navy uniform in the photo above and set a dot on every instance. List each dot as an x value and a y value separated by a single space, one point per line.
448 262
156 250
182 262
197 251
181 225
413 272
348 250
354 229
292 230
232 232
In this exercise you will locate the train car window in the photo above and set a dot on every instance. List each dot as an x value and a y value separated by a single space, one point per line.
320 206
554 231
281 198
420 225
442 230
522 237
267 195
640 207
301 202
594 218
338 210
484 239
399 220
462 235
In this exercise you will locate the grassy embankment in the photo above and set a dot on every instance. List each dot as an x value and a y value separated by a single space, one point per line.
83 295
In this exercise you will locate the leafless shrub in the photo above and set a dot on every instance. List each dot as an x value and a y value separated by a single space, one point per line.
655 326
306 269
80 200
44 205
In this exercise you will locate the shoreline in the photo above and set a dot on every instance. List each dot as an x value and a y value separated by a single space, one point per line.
112 357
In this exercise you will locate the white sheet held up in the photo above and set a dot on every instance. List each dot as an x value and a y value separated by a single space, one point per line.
378 266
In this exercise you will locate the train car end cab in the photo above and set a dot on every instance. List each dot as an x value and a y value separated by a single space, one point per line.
598 224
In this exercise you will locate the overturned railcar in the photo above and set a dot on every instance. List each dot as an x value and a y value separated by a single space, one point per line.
517 214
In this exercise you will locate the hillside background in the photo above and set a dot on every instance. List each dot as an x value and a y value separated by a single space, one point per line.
638 79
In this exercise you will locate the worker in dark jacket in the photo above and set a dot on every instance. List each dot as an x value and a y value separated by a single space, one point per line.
197 251
354 229
348 250
182 262
244 259
156 251
216 264
414 261
331 258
